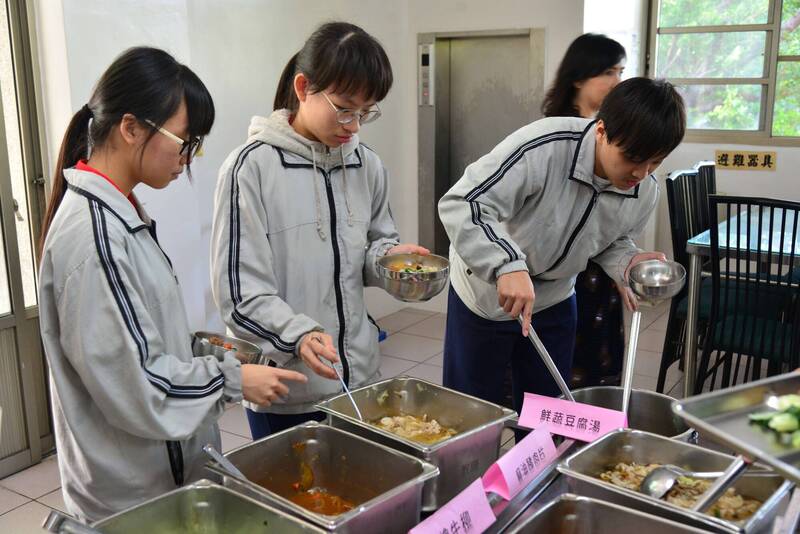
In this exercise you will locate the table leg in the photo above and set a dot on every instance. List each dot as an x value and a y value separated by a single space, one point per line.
690 343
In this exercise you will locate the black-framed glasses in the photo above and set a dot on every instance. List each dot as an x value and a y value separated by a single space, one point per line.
346 116
189 148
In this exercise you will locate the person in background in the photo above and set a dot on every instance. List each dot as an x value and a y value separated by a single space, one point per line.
301 216
132 407
530 214
592 67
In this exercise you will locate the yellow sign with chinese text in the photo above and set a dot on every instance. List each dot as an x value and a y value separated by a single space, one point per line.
742 160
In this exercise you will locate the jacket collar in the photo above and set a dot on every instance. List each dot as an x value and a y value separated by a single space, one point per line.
583 164
98 189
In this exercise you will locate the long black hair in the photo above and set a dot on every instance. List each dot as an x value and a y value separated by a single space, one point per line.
339 55
588 56
146 82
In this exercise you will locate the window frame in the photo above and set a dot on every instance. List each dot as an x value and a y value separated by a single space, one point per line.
762 136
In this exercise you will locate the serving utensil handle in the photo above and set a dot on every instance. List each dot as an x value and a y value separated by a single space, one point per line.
630 360
62 524
715 491
224 462
548 361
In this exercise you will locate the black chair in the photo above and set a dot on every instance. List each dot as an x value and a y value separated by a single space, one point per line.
755 304
687 198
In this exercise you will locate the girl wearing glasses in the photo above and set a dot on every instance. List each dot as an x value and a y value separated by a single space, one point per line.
132 407
301 217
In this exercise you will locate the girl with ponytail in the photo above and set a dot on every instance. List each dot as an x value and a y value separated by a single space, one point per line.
132 407
301 217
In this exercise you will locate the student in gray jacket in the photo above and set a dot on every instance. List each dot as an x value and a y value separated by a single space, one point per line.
132 407
530 214
301 216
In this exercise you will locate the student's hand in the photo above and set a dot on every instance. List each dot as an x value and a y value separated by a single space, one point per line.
408 248
629 300
625 292
316 345
515 295
262 384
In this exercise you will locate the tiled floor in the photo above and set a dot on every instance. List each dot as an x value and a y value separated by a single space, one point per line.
414 347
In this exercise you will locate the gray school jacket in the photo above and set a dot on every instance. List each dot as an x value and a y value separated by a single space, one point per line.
534 204
123 379
297 231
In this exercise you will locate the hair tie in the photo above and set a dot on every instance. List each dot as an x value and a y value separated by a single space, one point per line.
87 108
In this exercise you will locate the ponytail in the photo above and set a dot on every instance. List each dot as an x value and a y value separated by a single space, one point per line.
285 97
74 147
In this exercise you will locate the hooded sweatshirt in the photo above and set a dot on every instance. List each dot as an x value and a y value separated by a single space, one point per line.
298 228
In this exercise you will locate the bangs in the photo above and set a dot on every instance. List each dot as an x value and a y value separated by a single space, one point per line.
199 104
358 66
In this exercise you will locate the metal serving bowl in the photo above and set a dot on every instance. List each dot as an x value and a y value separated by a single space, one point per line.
245 351
656 279
413 287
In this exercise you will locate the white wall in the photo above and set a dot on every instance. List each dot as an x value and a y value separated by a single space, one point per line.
239 48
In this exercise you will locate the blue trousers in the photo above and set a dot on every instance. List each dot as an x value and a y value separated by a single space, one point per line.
477 351
264 424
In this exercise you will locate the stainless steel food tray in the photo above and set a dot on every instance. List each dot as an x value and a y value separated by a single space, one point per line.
460 459
385 485
583 468
203 508
572 513
723 416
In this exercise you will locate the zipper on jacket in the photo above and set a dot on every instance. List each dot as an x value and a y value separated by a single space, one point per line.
574 234
337 286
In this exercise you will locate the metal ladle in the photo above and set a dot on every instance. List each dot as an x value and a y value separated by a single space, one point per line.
652 281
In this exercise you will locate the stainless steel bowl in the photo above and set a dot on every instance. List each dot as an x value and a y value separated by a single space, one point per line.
648 410
657 280
413 287
245 351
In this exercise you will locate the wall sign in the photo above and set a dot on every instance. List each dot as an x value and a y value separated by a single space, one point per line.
742 160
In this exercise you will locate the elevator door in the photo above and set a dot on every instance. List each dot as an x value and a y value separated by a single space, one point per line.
484 88
490 95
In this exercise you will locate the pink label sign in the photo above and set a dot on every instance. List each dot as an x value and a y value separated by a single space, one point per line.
466 513
519 466
571 419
